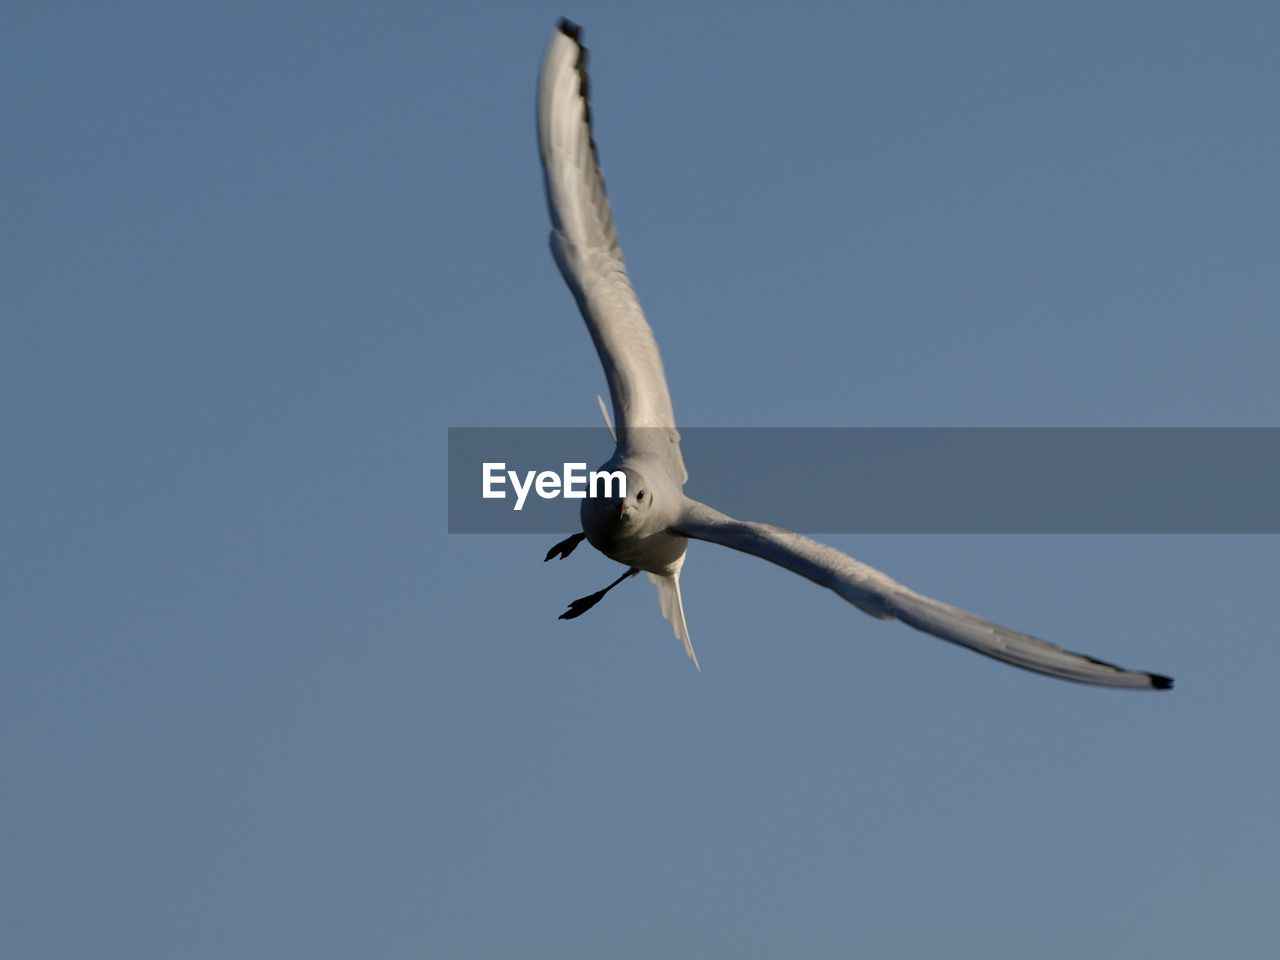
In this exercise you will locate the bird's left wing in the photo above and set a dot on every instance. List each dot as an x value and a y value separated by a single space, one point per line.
584 242
881 596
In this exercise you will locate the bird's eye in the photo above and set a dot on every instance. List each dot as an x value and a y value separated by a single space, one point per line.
639 496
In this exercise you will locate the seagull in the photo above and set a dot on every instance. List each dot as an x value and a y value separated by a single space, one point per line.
648 527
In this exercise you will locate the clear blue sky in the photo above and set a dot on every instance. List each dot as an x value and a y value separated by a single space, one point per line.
255 703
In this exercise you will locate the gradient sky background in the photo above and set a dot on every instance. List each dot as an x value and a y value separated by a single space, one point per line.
255 703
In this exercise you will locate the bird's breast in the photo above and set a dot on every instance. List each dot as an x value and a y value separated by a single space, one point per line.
654 552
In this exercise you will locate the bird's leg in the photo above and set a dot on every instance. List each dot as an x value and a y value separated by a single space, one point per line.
564 547
582 605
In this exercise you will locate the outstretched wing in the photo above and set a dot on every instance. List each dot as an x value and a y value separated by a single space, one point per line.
584 243
881 596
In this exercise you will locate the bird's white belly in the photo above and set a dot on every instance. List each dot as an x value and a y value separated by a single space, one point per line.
659 552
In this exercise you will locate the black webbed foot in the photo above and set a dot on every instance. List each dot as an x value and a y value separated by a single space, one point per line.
564 547
583 604
580 606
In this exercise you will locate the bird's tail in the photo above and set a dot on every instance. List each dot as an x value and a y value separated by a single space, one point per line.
673 609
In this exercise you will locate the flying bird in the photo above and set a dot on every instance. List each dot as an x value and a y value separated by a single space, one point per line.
649 528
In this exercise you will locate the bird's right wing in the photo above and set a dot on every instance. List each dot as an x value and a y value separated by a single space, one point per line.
584 243
881 596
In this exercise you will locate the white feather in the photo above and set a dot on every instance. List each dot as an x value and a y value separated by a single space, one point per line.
604 412
672 606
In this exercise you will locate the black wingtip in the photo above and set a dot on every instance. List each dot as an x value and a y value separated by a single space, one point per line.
569 29
1160 682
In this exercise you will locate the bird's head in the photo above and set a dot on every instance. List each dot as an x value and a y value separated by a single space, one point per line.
632 508
620 507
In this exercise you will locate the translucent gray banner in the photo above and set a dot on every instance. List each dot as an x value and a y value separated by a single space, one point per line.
908 480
